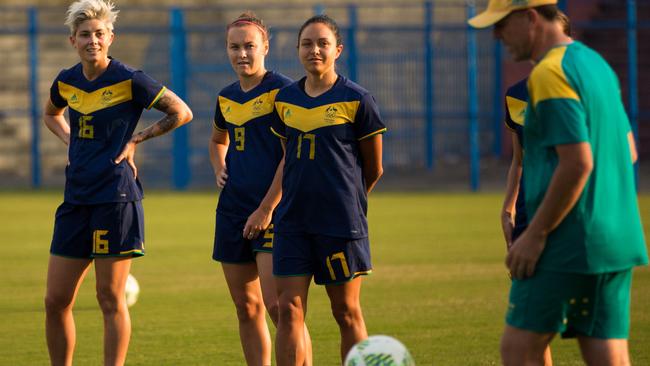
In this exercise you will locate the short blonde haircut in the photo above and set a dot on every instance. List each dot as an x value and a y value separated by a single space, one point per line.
83 10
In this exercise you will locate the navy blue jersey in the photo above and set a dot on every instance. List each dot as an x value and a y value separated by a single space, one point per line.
516 103
253 153
323 190
103 114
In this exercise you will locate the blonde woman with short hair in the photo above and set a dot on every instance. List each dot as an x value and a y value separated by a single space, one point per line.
101 217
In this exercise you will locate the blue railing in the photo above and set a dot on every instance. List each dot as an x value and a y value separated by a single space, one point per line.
179 65
438 82
472 101
35 102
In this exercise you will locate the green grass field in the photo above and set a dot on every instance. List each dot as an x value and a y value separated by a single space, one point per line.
439 285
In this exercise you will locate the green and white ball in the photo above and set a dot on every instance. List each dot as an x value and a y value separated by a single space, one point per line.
379 350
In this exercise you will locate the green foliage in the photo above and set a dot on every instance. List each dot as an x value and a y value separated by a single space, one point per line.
439 285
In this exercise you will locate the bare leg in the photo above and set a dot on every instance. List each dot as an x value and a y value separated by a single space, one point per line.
246 293
269 292
346 309
270 295
606 352
548 358
111 274
522 347
64 276
309 354
290 343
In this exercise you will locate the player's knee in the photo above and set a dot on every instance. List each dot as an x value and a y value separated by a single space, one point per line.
109 300
347 314
56 303
290 312
248 309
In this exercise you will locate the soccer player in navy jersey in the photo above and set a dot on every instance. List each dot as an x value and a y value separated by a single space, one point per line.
101 218
333 135
247 160
513 213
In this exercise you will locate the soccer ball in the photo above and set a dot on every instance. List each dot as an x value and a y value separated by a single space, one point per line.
379 350
131 290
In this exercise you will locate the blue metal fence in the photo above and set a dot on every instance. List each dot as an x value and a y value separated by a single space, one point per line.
472 100
35 102
438 82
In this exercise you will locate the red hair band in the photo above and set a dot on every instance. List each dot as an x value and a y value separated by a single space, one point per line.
245 21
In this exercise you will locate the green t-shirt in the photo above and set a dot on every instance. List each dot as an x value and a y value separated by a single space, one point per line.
575 97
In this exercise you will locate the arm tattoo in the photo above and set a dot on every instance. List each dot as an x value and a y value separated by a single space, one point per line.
166 101
171 120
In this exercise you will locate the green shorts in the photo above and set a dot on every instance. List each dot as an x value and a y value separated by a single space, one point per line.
593 305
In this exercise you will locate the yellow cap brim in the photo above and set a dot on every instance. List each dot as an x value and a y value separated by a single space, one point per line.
491 17
488 18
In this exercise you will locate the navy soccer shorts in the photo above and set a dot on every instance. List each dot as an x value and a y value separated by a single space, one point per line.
101 230
230 246
330 260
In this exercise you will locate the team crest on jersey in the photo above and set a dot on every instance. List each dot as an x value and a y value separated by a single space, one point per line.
330 113
519 2
287 113
74 99
107 96
228 110
257 105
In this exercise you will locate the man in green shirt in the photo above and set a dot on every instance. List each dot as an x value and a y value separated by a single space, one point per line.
571 267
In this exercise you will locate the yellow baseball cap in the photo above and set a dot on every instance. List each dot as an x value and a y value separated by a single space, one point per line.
499 9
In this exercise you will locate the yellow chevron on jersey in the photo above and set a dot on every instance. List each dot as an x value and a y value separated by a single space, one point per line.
308 119
517 109
87 103
238 114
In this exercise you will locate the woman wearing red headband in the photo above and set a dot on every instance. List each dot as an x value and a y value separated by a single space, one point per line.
248 161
